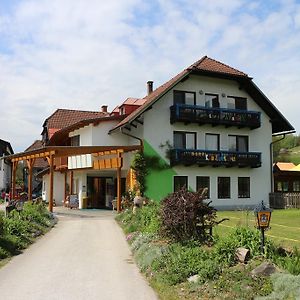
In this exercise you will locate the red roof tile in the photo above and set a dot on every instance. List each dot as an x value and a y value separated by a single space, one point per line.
65 117
205 64
212 65
39 162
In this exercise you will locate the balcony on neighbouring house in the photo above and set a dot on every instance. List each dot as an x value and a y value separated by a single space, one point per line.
214 116
189 157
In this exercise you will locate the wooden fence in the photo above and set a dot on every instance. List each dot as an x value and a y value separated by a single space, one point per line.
284 200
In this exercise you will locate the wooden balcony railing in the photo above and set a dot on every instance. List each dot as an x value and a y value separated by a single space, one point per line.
215 158
215 116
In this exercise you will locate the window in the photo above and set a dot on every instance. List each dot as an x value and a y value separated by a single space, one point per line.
238 143
181 97
212 141
185 140
223 187
244 187
236 103
296 186
202 182
75 140
180 182
212 100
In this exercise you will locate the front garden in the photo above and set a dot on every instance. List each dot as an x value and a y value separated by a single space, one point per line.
173 247
21 228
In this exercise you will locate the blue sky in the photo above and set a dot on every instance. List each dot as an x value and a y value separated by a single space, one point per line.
82 54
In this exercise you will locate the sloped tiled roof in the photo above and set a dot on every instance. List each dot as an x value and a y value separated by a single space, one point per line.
148 100
209 67
39 162
212 65
65 117
285 166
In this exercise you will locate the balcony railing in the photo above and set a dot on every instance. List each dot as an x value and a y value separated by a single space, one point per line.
215 116
215 158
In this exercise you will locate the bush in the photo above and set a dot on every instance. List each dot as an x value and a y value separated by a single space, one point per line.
181 262
245 237
290 262
36 213
285 286
185 216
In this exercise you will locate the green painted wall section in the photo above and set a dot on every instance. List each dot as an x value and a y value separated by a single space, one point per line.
159 183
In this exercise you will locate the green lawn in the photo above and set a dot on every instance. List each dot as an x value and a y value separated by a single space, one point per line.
285 225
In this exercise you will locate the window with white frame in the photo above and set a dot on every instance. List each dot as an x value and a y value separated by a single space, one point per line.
212 100
183 97
238 143
184 140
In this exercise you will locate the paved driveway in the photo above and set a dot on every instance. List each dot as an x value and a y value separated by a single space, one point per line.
85 256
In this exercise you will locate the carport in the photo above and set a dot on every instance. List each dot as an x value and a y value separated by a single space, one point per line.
104 157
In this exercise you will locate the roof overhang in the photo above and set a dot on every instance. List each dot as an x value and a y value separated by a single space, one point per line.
63 151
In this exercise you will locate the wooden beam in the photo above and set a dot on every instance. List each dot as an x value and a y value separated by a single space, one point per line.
13 180
51 168
66 193
119 208
30 163
71 182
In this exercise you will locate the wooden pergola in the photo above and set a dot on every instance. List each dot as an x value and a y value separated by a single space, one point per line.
110 158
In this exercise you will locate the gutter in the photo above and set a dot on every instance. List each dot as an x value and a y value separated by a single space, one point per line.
133 136
284 133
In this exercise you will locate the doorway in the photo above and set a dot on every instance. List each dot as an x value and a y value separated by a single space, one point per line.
100 192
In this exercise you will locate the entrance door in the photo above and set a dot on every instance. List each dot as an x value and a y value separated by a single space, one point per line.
99 192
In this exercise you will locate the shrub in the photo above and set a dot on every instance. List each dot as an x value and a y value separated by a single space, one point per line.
285 286
181 262
149 218
245 237
185 216
290 262
36 213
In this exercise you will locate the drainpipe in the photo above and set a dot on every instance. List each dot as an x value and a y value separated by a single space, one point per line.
135 137
271 154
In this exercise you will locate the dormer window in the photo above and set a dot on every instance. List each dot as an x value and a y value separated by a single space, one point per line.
182 97
75 140
122 110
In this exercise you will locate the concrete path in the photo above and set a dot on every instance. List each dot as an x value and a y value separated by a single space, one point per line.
85 256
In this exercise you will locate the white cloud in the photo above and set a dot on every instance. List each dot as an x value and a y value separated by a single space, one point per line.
81 54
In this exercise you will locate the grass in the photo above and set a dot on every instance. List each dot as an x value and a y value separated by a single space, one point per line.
285 225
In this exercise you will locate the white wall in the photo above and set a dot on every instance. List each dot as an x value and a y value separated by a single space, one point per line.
5 175
157 129
58 190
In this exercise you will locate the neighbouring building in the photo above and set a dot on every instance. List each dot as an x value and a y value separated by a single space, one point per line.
209 127
5 165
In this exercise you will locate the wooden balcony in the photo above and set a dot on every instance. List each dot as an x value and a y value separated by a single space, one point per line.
189 157
214 116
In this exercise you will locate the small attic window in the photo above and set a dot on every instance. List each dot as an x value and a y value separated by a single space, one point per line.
122 111
75 140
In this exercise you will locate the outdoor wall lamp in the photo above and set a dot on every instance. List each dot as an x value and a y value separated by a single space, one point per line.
263 217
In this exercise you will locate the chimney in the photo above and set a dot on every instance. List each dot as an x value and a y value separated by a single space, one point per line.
149 87
104 108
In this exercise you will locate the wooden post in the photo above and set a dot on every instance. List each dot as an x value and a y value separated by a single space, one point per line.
71 182
13 179
66 179
119 183
51 184
30 163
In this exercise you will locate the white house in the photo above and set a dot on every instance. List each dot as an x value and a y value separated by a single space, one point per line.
5 166
209 126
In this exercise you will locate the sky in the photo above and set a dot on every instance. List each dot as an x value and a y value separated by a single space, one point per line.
79 54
